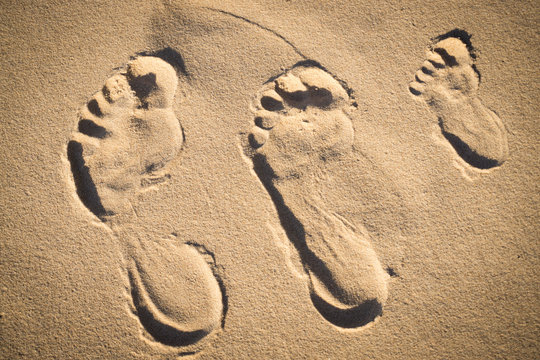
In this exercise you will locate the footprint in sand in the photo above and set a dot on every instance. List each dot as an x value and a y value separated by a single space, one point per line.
301 125
127 134
448 83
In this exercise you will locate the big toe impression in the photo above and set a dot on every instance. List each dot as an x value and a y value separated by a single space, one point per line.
153 80
453 51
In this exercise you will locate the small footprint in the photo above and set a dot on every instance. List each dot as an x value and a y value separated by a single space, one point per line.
127 134
448 83
301 125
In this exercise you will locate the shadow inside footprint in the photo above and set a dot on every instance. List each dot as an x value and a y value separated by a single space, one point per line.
143 86
90 128
468 154
350 318
271 104
86 189
448 82
170 56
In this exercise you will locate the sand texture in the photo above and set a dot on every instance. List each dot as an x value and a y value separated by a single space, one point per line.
269 179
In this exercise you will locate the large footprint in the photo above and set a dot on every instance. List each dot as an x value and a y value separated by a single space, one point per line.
448 83
127 134
301 124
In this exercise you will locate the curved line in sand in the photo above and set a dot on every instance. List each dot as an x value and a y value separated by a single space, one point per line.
275 33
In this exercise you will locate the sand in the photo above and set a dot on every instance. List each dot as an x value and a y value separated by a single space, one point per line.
269 180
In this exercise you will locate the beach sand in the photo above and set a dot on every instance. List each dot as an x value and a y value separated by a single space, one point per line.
269 180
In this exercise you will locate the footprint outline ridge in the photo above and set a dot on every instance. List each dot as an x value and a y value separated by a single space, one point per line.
301 125
448 82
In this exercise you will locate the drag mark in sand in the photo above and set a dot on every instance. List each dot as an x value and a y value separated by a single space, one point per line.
275 33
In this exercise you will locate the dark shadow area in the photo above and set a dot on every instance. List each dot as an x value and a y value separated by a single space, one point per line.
425 70
321 97
436 64
294 229
162 333
271 104
169 55
90 128
348 318
448 59
143 85
468 154
93 107
310 63
297 99
391 272
414 91
460 34
253 141
86 189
